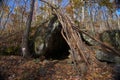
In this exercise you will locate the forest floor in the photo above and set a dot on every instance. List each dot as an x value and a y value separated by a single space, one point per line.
19 68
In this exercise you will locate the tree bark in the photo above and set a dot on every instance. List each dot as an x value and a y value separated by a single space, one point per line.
25 40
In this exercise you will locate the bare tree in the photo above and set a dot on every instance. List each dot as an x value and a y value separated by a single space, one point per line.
25 40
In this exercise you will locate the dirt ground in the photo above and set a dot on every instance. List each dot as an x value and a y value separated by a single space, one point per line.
19 68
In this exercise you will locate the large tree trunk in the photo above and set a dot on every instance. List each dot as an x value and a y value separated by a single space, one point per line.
25 44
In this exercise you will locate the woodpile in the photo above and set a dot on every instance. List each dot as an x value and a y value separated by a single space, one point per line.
79 52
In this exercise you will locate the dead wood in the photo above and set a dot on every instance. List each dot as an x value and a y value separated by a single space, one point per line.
101 43
71 33
78 50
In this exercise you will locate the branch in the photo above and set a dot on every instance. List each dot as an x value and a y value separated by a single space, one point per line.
4 25
104 45
49 4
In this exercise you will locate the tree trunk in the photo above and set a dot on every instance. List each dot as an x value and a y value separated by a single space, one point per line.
25 40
